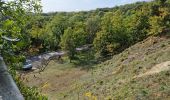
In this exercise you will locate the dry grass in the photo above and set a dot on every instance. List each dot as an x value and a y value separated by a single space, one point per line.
55 79
115 79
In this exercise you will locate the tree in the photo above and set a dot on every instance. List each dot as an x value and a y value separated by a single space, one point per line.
106 22
55 29
72 39
67 43
75 19
156 25
113 37
102 44
162 2
14 17
92 27
159 24
137 25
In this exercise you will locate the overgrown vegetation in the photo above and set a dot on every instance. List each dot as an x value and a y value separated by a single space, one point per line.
14 17
108 30
125 76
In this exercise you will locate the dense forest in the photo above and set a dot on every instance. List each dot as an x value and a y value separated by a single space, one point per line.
108 30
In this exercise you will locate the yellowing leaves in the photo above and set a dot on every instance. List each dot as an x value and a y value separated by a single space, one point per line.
164 12
90 96
156 25
45 85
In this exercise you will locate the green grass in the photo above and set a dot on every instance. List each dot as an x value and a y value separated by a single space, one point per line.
112 79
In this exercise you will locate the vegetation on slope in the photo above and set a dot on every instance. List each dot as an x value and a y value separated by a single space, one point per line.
120 77
109 30
128 75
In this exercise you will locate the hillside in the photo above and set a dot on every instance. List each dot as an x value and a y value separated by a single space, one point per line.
108 53
140 72
131 74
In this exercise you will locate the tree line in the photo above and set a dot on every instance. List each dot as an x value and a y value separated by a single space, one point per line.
110 30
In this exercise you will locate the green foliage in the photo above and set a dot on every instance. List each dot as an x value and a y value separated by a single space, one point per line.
92 27
29 92
14 17
159 23
54 30
67 43
156 25
112 36
72 39
137 25
110 30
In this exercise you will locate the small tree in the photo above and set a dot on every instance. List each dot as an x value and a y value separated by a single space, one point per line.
72 39
159 24
67 43
92 27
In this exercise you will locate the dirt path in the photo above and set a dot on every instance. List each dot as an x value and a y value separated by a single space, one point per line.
156 69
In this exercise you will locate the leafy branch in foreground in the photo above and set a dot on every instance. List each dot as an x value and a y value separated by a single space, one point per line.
14 16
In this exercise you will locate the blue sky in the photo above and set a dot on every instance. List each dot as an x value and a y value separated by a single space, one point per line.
79 5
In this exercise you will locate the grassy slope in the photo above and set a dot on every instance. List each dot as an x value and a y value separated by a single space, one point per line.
114 79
